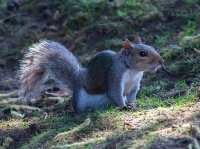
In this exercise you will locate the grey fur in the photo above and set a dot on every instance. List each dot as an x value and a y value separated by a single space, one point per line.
110 77
54 61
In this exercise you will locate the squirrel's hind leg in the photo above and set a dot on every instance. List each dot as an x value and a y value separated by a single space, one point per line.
86 102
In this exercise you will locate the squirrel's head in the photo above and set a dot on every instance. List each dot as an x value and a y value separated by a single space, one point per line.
141 56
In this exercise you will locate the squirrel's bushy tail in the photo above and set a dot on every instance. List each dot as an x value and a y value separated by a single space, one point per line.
44 60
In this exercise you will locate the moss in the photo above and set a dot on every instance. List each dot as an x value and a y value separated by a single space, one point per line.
105 126
14 123
161 40
190 28
115 43
3 4
191 2
181 84
191 41
154 102
171 53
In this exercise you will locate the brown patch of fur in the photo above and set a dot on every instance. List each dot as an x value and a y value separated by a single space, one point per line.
31 78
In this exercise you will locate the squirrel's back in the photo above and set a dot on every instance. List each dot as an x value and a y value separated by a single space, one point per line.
97 71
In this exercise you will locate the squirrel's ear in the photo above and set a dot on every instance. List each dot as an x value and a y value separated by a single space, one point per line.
127 44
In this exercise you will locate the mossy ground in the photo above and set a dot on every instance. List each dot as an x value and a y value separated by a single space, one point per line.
155 122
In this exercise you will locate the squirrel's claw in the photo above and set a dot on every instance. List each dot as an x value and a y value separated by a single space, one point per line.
132 106
129 107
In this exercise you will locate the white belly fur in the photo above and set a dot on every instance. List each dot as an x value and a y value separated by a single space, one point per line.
88 101
130 80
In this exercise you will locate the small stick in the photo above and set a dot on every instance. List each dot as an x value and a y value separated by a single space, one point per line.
25 107
17 114
10 94
63 135
197 50
59 99
9 100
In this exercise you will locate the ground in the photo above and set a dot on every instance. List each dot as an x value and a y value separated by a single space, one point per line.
153 125
168 106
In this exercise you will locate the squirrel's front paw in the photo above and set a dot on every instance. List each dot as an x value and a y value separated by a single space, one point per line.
132 106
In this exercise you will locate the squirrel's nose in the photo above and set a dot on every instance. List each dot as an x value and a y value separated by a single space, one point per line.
159 59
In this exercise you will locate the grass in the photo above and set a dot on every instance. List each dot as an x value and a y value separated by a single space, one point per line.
101 128
157 102
126 129
190 28
13 123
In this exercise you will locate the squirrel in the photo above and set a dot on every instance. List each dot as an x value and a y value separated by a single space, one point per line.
109 77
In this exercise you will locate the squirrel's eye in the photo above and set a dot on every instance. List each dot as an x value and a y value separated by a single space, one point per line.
143 53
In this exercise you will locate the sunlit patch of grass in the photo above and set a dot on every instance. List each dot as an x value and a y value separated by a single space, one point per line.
108 119
182 100
14 123
46 137
103 124
154 102
181 84
150 103
107 125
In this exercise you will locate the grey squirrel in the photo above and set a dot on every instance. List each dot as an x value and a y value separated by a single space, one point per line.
109 77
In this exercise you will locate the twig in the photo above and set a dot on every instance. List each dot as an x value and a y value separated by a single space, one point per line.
9 100
82 143
10 94
59 93
197 50
17 114
63 135
25 107
59 99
